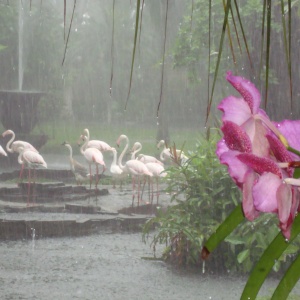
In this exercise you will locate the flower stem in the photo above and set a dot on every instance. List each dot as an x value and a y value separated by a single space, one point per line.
289 148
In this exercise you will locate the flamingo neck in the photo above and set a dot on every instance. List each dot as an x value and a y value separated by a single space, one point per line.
138 149
83 146
122 167
70 150
8 145
114 162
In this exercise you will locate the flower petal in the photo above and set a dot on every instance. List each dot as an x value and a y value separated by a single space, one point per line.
291 131
260 164
248 206
284 201
235 109
236 138
236 168
247 89
264 193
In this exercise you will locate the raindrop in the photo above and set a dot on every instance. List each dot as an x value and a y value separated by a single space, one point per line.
203 267
287 240
157 123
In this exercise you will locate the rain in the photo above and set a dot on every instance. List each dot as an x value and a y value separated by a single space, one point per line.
101 124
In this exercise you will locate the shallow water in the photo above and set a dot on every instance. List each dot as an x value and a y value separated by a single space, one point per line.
105 266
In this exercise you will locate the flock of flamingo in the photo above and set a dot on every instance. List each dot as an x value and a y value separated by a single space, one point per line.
140 167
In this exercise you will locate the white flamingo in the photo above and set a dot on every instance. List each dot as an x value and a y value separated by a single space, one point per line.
158 171
93 156
15 146
2 151
132 166
80 172
32 160
137 147
100 145
167 154
115 170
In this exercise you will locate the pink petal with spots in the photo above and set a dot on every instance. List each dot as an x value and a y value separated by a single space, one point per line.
247 89
260 164
264 193
236 138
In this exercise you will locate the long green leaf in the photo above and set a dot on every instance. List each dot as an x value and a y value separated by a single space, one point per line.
232 221
266 262
227 8
138 5
288 281
269 18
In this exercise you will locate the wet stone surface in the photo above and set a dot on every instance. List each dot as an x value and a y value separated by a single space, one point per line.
58 209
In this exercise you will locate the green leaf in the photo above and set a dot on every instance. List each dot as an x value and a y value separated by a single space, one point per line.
232 221
234 241
288 281
243 255
267 261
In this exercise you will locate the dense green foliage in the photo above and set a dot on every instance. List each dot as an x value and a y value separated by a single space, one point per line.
203 195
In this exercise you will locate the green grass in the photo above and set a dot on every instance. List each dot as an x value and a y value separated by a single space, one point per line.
65 131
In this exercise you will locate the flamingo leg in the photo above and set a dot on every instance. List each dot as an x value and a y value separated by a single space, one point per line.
157 195
133 189
97 176
149 187
143 189
21 173
90 168
34 186
28 188
139 187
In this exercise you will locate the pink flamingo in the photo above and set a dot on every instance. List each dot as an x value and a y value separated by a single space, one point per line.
93 155
137 147
33 160
14 147
100 145
132 166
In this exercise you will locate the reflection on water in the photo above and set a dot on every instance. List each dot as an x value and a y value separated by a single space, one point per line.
106 266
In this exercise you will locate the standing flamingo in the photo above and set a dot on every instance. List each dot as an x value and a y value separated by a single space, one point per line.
115 170
32 160
157 171
132 166
93 155
100 145
137 147
14 147
80 172
168 155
